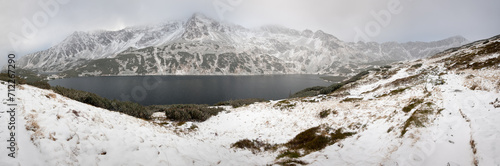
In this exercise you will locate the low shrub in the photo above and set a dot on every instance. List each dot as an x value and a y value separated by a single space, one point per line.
394 92
304 94
487 63
465 60
240 102
290 162
413 103
193 127
324 113
316 138
335 112
416 65
337 86
129 108
289 154
339 135
406 80
310 140
313 91
418 119
308 137
284 104
5 77
255 146
331 88
43 84
351 99
357 77
190 112
40 84
386 67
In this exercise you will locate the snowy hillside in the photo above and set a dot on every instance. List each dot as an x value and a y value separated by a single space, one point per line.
202 45
442 110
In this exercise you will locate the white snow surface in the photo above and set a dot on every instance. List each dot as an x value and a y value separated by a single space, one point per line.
461 129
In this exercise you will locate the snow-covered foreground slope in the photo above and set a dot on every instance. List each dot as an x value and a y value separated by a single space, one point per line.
417 113
59 131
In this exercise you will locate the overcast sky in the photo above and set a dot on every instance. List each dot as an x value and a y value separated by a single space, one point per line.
29 26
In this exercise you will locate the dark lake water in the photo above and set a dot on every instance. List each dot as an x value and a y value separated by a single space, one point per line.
161 90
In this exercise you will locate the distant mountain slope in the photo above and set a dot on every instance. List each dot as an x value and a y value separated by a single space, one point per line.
412 113
80 47
202 45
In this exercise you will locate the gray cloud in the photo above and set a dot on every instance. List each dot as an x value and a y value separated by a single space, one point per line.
419 20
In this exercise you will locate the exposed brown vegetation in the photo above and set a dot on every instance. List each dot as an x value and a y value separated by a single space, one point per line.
418 119
351 99
291 162
394 92
407 80
284 104
240 102
255 146
316 138
413 103
465 60
190 112
51 95
324 113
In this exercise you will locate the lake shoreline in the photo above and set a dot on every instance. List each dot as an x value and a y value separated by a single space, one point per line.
192 89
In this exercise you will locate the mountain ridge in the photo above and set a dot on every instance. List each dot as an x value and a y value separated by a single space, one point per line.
268 49
409 113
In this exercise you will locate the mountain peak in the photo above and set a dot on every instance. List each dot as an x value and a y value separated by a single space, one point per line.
200 18
198 15
457 38
76 36
199 34
454 39
199 25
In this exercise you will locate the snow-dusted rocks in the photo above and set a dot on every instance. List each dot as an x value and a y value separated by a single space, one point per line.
424 112
202 45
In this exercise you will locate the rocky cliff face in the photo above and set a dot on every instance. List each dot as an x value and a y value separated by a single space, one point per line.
202 45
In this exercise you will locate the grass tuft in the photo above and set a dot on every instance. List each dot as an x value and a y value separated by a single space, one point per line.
291 162
416 66
417 119
413 104
316 138
284 104
349 99
324 113
289 154
394 92
255 146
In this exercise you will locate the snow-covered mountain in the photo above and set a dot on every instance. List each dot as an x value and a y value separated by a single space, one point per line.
202 45
442 110
80 47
